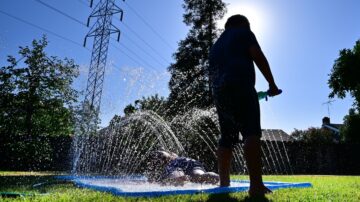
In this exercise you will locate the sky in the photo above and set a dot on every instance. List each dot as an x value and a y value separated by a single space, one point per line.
301 40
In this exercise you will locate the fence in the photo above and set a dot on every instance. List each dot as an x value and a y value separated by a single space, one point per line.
305 158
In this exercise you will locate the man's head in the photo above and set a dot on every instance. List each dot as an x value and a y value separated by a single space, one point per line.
237 21
161 158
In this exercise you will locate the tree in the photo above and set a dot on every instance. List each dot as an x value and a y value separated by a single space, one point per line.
189 79
37 96
350 132
314 135
129 109
154 103
344 78
36 100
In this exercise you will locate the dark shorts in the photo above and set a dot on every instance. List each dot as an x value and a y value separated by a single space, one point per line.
186 165
238 110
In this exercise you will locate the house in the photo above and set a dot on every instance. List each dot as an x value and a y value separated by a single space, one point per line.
334 128
276 135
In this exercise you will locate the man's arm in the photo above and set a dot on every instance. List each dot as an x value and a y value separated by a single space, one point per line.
264 67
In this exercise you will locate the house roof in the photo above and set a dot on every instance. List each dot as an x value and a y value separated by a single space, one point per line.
333 127
276 135
338 126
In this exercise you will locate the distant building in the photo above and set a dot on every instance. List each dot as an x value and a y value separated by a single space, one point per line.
334 128
276 135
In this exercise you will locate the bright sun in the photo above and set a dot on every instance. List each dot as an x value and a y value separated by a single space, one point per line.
254 14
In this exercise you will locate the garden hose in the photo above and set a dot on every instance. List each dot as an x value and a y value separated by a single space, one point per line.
48 183
16 194
35 186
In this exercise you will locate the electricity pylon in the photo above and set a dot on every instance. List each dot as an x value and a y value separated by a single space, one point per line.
86 126
101 31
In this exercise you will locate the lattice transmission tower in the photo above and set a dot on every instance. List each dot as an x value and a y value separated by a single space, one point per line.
101 31
83 150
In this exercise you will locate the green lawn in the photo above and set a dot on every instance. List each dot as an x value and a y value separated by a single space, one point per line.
325 188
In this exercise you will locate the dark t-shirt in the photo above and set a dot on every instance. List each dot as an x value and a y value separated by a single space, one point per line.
187 165
230 60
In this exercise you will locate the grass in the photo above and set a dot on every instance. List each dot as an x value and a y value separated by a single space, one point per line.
325 188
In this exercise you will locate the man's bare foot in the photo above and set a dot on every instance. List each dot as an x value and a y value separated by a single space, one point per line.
259 191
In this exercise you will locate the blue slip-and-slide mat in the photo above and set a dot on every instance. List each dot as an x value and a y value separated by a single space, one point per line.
137 186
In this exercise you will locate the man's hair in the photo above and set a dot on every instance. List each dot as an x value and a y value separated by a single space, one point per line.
237 20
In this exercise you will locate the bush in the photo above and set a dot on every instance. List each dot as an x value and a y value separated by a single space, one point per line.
41 153
350 132
314 135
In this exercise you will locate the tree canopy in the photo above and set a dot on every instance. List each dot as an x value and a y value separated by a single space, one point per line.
154 103
345 75
345 78
314 135
350 132
36 101
189 79
36 93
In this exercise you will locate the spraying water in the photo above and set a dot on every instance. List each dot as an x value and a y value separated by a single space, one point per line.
123 148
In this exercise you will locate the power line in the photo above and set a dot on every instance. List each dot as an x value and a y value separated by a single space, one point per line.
146 43
149 26
155 73
41 28
148 84
78 21
131 58
69 40
59 11
83 3
137 56
137 35
64 38
142 50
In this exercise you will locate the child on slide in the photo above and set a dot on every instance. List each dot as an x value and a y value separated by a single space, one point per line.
168 168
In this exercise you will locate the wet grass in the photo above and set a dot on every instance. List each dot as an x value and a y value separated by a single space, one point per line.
325 188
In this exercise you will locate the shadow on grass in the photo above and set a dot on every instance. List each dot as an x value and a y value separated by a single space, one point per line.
27 185
23 182
229 198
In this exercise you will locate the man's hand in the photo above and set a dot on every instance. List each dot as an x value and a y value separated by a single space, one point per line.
273 90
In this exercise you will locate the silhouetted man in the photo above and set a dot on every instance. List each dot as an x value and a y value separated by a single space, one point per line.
232 79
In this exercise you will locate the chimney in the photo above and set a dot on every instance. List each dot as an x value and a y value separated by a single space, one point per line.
326 121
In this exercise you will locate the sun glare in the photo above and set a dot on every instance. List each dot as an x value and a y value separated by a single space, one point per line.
254 14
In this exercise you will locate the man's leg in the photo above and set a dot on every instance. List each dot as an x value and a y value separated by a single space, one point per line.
252 151
224 165
228 111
